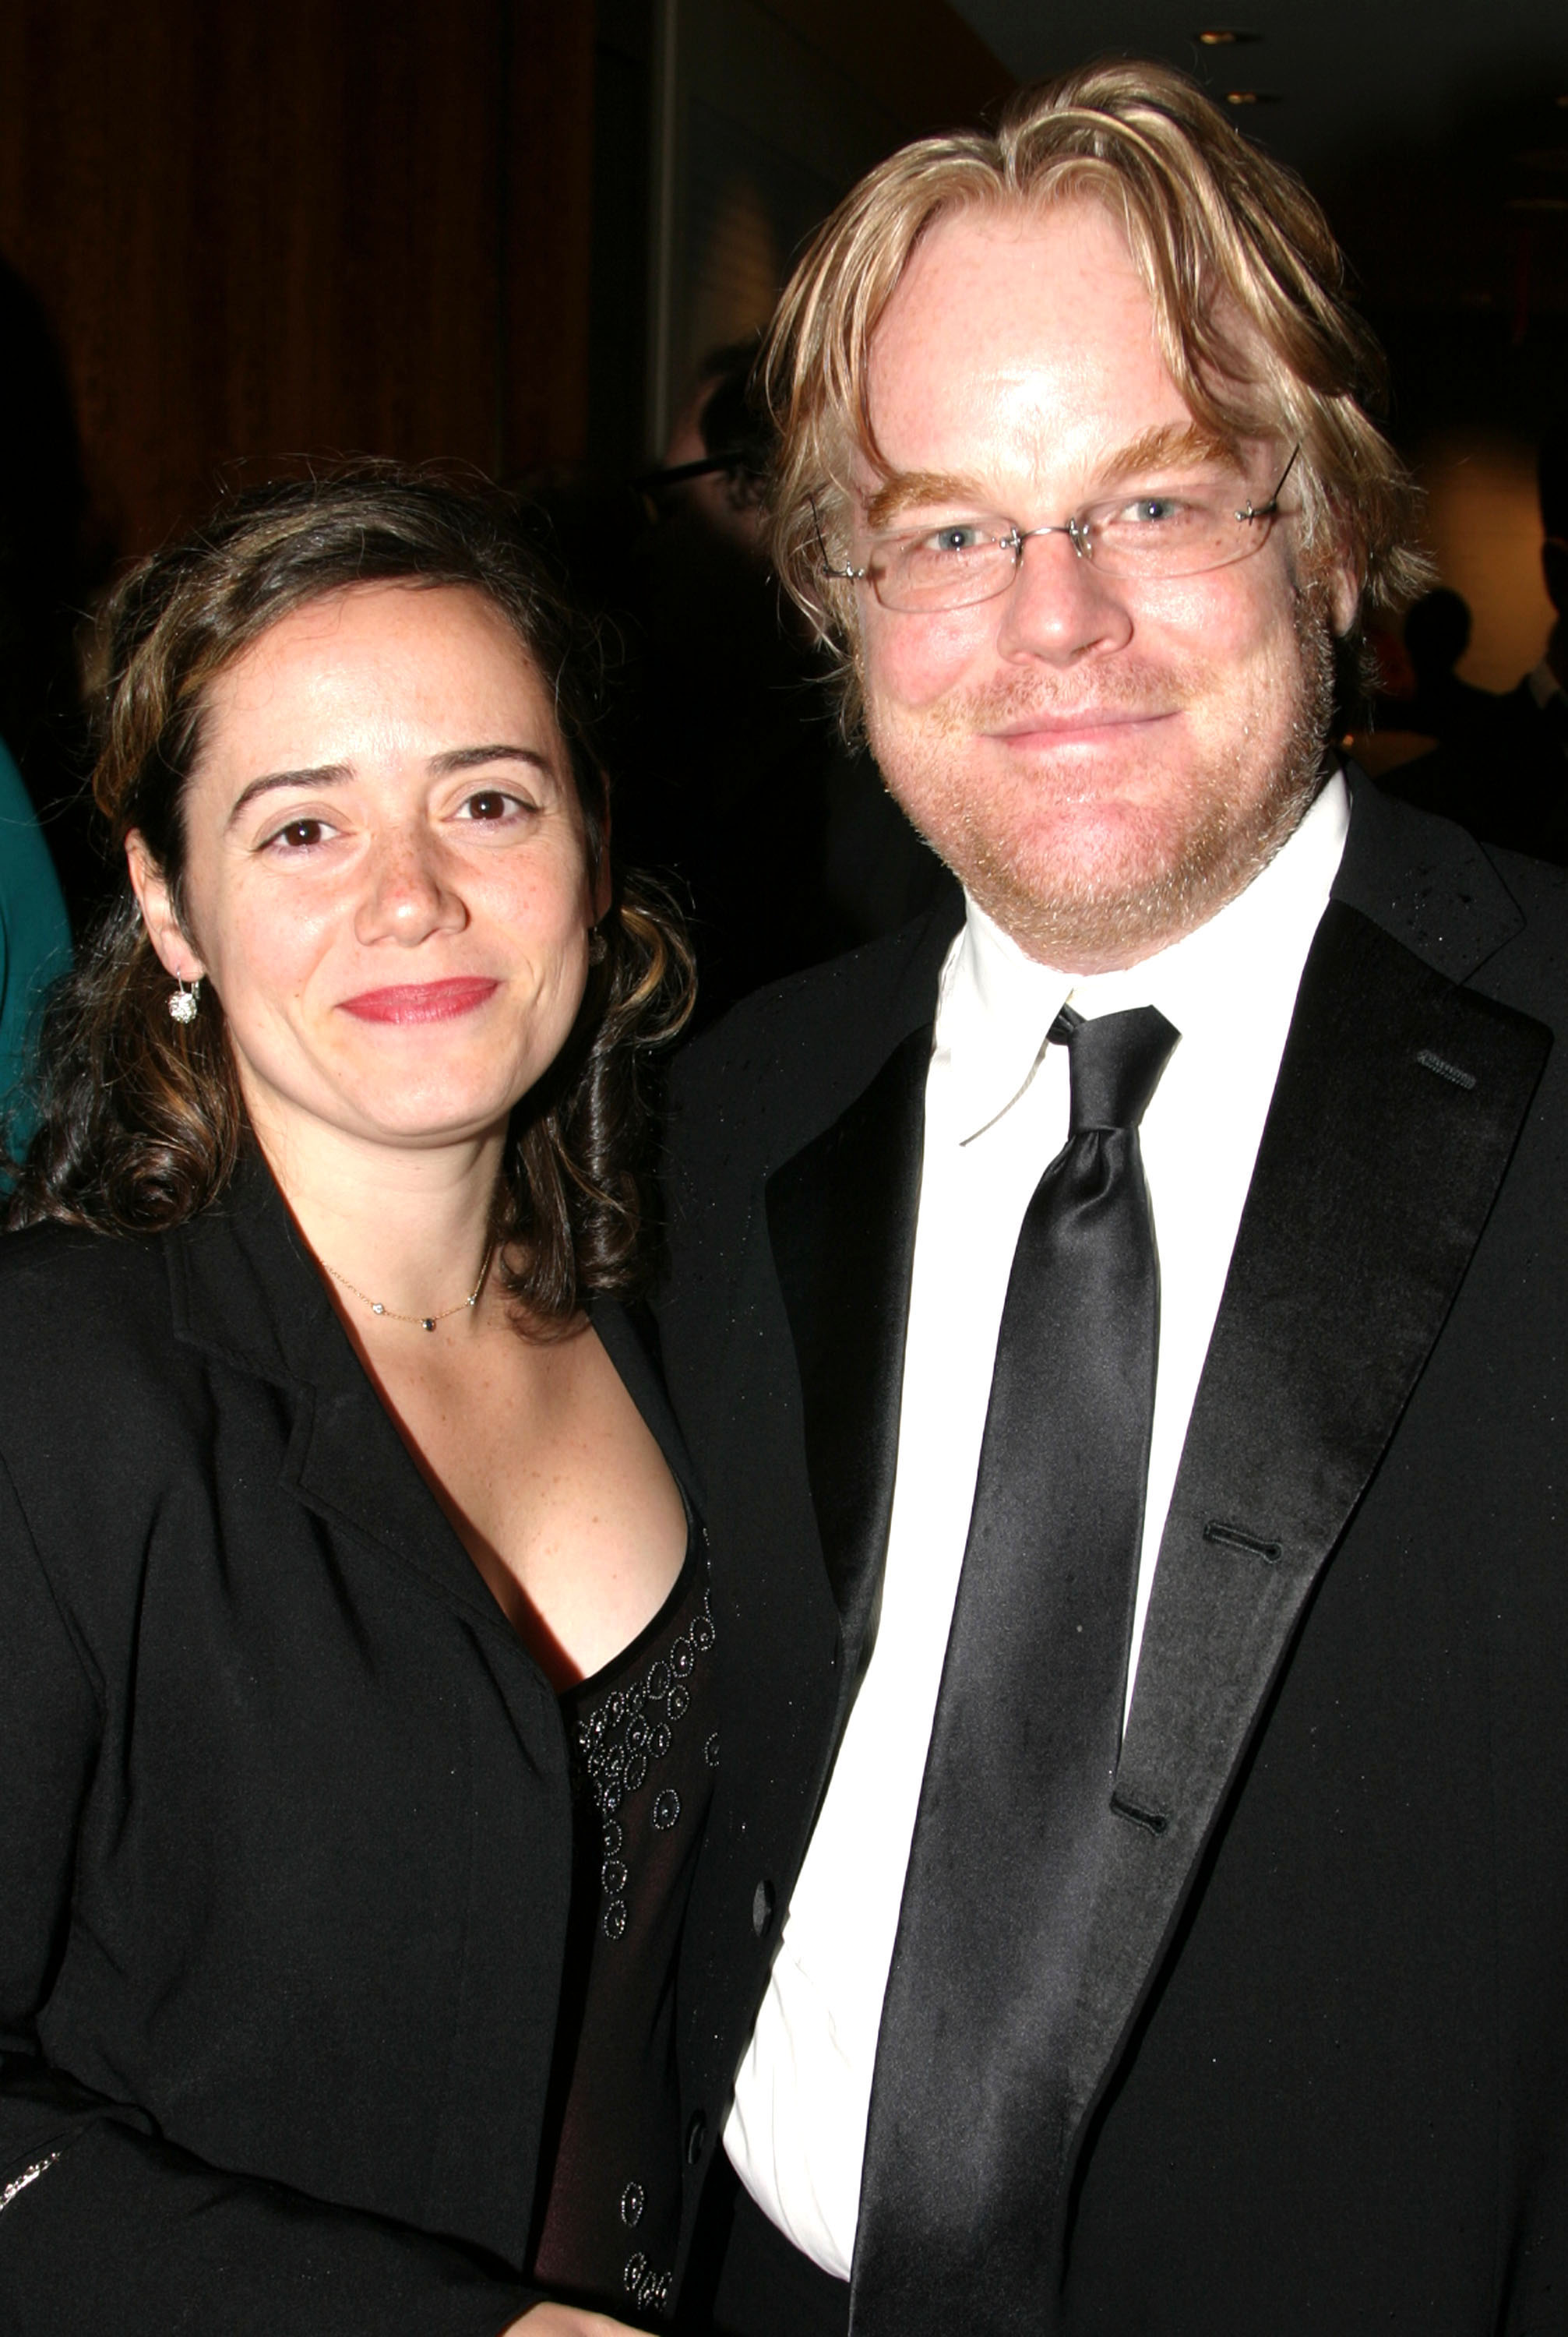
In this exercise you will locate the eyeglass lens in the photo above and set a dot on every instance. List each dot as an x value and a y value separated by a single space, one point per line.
1149 536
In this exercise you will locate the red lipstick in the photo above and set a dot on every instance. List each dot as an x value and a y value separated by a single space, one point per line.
422 1002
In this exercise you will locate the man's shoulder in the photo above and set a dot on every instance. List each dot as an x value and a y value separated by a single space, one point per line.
1492 918
790 1057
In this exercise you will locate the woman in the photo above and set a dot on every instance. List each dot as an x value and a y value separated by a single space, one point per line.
321 1502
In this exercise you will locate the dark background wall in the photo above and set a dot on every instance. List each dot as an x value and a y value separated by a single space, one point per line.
287 226
238 232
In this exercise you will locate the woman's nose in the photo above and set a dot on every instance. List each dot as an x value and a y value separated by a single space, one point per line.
408 895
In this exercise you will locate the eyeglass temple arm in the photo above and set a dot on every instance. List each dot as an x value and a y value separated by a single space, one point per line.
1270 509
844 575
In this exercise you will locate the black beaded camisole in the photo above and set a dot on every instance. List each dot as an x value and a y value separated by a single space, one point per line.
643 1750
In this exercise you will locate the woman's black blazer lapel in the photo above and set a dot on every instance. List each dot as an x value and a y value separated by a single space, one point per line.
245 1288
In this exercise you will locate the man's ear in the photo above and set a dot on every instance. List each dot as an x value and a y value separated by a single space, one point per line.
150 887
1344 586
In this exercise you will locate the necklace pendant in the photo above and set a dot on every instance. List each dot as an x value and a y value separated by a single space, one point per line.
376 1308
429 1322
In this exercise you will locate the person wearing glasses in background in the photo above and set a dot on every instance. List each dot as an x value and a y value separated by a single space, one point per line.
1120 1322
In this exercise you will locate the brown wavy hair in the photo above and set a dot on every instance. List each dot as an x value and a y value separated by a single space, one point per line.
142 1119
1246 284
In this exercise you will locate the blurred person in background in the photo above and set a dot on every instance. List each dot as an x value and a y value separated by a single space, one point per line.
34 944
54 559
357 1728
1501 765
736 778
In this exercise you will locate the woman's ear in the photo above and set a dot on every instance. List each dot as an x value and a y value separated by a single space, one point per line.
150 887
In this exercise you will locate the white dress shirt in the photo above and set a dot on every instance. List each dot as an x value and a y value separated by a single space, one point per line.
996 1113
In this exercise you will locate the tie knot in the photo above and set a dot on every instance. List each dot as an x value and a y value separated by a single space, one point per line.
1115 1062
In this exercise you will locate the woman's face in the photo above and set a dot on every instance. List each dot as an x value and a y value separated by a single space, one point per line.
387 875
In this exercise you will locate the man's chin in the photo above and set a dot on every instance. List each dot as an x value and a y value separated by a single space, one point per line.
1109 885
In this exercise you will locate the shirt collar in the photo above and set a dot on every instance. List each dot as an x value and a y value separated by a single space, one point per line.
996 1005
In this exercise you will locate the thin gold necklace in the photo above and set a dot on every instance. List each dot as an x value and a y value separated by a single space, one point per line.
425 1321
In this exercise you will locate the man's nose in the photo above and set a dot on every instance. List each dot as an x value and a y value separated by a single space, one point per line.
408 895
1059 606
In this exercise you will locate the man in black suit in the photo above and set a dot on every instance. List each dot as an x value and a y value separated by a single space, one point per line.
1119 1323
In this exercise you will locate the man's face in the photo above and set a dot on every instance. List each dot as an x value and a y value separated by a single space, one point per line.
1103 761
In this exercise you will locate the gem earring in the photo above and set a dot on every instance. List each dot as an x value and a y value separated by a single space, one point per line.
184 999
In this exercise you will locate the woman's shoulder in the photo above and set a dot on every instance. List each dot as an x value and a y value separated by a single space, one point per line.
76 1306
53 1264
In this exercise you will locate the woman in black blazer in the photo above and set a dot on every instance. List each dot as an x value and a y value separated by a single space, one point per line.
339 1557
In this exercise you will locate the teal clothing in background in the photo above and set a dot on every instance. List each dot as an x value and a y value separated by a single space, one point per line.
35 942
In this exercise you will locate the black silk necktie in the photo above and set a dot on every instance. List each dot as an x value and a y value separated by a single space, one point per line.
970 2100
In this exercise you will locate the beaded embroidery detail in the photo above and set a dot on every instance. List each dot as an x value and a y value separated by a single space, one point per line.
649 2290
622 1740
28 2174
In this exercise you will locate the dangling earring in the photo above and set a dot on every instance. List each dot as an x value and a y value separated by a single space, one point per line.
598 947
185 999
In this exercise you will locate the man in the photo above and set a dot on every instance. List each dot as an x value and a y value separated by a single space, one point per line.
1504 771
1120 1327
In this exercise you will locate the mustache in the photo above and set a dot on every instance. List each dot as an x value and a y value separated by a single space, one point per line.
1115 689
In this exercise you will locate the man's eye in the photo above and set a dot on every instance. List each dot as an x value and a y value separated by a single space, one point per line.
1151 511
960 537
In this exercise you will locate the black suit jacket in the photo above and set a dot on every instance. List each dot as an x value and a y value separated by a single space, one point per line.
285 1831
1322 2067
1503 774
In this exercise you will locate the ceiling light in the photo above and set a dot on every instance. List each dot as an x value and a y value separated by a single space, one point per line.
1252 97
1224 37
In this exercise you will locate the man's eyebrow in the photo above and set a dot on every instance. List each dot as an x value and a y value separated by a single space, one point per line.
1168 441
904 491
328 775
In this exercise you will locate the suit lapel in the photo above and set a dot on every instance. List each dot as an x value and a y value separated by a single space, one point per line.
841 1219
1399 1103
244 1288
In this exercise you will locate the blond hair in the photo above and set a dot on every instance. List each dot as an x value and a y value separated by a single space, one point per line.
1238 261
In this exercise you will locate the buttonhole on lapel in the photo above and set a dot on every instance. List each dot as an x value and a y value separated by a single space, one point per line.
1149 1819
1233 1538
1445 1071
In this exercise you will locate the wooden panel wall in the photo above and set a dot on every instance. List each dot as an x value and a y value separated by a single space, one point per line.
270 227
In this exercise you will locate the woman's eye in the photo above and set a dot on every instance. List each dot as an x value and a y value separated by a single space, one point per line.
492 803
299 835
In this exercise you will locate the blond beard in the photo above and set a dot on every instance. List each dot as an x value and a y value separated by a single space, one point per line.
1083 924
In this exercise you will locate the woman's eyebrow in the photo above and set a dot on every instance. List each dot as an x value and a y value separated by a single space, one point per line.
317 775
468 759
